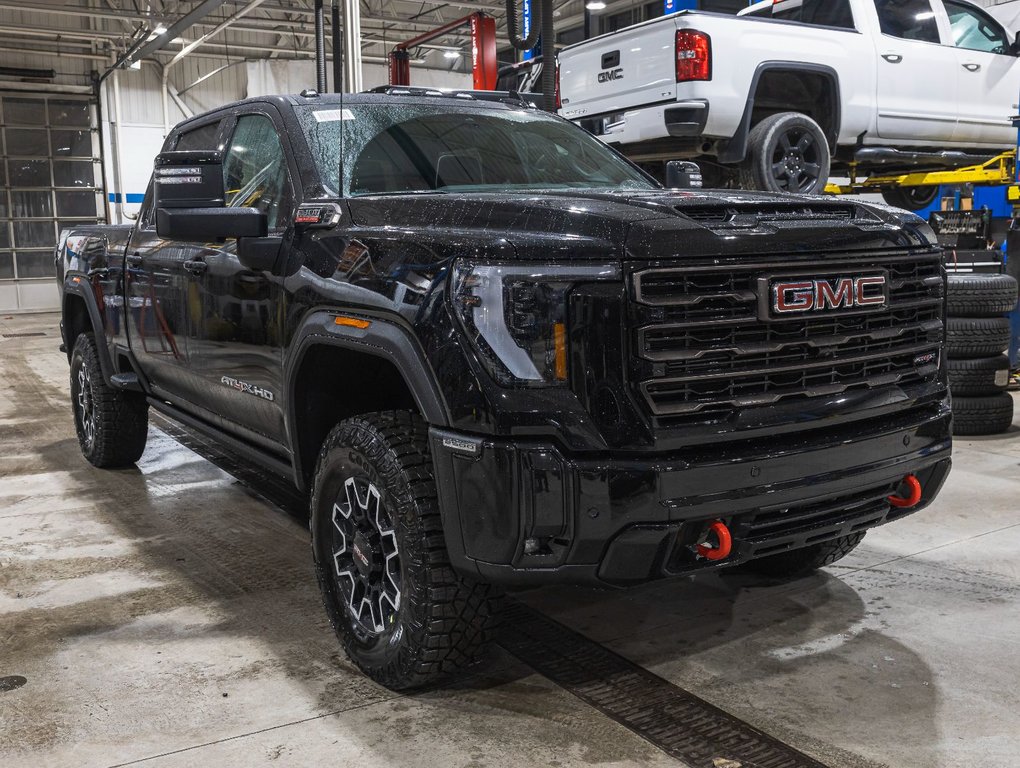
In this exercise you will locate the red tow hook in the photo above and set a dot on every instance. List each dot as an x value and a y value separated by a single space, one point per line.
722 535
905 502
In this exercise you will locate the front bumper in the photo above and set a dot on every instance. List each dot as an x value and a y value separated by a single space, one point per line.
523 513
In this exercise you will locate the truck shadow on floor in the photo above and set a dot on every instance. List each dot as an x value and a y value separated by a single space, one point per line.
217 567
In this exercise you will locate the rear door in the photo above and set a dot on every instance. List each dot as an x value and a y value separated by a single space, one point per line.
630 68
237 314
988 76
916 75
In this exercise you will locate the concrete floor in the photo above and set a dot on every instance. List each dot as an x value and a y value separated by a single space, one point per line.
166 615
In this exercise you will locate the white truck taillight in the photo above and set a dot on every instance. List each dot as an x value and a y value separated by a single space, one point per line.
693 56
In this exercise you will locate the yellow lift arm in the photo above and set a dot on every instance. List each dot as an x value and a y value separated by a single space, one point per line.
998 170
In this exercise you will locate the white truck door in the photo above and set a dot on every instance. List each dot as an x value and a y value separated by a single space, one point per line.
916 75
988 75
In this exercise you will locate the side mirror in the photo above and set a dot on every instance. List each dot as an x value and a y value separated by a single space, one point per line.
683 174
190 198
188 180
1015 47
202 225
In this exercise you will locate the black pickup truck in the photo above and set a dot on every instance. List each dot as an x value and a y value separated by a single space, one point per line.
496 354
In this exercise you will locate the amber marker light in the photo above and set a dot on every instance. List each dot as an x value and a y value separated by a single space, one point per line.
352 322
560 344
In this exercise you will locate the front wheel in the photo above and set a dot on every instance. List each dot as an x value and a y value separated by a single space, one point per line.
403 615
786 152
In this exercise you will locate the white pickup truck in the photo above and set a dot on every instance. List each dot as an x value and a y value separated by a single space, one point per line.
788 91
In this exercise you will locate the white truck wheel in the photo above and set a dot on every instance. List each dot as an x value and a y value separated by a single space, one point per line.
786 152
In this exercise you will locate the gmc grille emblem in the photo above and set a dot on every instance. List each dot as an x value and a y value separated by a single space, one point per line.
611 74
799 295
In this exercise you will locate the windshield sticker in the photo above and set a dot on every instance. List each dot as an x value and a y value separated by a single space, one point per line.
332 115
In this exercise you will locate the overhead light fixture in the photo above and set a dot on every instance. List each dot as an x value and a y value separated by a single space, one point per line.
595 5
135 64
451 54
160 29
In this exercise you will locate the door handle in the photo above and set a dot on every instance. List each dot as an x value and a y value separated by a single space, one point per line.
196 267
892 58
135 259
971 67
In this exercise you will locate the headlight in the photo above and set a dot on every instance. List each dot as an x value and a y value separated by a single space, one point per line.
516 315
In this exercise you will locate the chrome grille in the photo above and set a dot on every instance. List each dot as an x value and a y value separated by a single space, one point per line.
701 351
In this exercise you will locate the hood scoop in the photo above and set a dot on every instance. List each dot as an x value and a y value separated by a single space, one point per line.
749 215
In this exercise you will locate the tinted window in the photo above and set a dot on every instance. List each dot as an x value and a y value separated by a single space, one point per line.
824 13
203 137
255 170
975 30
908 19
418 148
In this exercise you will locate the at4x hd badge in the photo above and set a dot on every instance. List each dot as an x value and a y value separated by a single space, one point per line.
250 389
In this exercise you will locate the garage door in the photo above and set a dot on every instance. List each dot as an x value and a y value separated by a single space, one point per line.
51 177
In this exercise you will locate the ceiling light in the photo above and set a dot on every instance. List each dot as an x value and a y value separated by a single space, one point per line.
135 64
160 29
595 5
451 54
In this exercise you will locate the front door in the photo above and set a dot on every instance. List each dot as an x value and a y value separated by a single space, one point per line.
237 314
916 83
156 311
988 76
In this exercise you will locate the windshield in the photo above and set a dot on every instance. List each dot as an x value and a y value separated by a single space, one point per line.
402 148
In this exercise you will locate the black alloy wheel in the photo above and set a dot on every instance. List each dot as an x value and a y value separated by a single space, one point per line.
366 557
787 152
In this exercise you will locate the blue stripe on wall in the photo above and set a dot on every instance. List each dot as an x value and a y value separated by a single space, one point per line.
130 197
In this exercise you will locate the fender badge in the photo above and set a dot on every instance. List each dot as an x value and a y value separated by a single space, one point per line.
462 445
250 389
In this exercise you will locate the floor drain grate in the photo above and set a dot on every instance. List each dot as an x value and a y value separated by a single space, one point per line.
22 335
677 722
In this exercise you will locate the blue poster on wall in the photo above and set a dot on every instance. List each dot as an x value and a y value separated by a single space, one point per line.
526 24
672 6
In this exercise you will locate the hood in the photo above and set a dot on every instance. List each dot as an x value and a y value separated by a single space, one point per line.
649 225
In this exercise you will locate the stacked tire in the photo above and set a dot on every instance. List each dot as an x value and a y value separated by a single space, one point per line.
977 333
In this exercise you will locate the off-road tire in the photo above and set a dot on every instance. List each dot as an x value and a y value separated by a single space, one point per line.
970 337
801 562
911 198
769 160
443 622
981 295
978 377
112 424
991 415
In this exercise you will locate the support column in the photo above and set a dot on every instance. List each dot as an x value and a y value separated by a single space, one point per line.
352 46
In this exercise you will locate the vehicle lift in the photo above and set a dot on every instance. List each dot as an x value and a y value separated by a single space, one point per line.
483 51
1001 170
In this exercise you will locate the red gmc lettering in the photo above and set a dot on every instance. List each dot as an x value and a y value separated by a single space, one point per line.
793 297
876 297
842 296
818 295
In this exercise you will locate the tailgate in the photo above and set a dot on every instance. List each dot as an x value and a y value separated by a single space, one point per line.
630 68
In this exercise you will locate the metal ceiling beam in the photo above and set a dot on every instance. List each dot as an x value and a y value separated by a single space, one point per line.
177 28
251 6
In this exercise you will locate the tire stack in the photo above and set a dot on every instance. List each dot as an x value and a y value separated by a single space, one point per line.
977 333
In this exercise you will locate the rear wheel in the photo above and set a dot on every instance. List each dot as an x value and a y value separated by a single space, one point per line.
112 424
787 152
801 562
911 198
403 615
